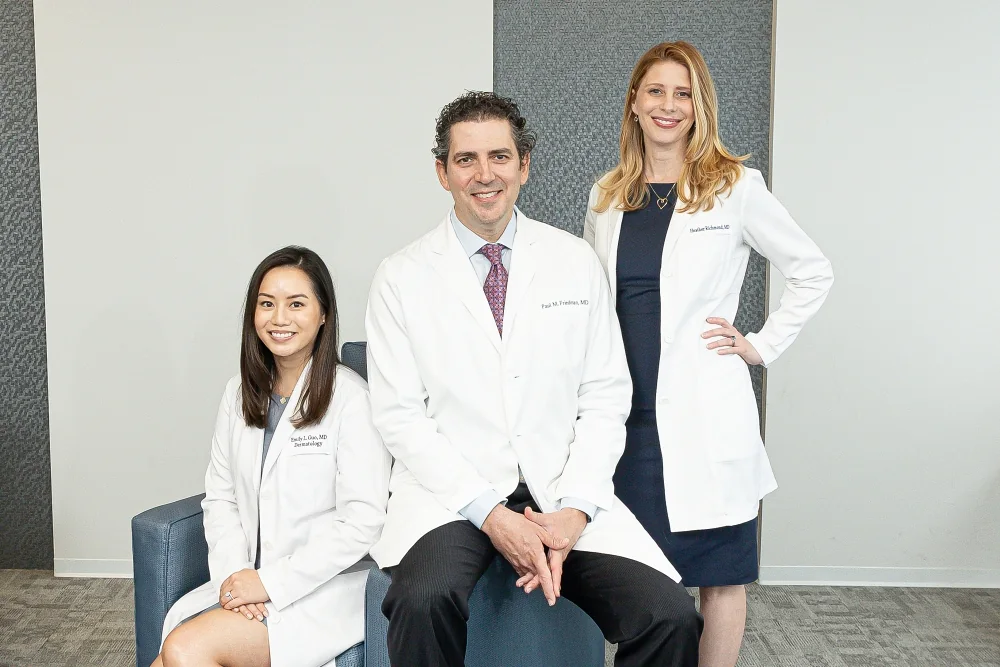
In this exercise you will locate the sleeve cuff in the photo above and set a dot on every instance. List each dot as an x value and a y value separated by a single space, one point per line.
480 508
767 353
276 594
590 509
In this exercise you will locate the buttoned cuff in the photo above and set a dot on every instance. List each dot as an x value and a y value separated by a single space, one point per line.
480 508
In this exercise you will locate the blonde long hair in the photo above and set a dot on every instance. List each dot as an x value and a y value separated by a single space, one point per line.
709 169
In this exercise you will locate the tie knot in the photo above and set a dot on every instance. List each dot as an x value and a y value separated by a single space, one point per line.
493 252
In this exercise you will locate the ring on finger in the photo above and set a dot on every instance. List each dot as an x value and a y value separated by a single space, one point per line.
229 595
734 340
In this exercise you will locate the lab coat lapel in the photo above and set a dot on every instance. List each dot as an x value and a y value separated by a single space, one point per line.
523 263
679 222
285 426
614 231
458 274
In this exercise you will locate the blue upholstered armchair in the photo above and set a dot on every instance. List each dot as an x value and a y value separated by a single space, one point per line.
506 627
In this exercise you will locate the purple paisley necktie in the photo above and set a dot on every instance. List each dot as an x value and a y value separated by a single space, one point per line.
495 286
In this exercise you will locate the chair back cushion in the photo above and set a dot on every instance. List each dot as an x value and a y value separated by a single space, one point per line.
353 356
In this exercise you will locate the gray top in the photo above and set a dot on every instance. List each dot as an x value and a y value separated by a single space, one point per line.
274 411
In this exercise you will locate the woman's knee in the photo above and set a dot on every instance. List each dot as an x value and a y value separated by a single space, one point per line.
182 648
710 594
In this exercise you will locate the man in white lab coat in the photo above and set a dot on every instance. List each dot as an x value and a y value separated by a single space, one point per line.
499 383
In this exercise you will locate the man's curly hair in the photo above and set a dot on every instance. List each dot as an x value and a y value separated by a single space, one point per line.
479 106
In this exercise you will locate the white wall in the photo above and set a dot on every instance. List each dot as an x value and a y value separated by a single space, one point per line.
882 420
181 142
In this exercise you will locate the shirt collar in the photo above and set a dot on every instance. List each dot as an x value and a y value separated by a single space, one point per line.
472 242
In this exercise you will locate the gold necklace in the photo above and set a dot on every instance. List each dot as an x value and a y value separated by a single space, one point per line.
662 201
281 396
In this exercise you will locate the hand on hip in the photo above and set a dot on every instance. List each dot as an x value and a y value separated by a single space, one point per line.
730 341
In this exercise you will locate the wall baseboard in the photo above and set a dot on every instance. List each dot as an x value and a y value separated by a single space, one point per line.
893 577
109 568
770 575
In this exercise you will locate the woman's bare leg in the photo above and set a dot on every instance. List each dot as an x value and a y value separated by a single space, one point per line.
725 611
217 638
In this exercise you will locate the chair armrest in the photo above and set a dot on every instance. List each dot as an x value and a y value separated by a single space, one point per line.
352 657
376 624
169 558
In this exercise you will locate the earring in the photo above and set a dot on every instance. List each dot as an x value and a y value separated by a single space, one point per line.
636 118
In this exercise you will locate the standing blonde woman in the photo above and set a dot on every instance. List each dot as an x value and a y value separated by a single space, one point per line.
673 225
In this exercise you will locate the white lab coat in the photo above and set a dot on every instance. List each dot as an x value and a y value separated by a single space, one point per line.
715 470
459 407
321 503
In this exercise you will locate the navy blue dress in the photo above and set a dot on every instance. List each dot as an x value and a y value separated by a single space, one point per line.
724 556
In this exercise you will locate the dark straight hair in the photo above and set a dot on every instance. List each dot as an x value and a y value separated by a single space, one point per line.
257 366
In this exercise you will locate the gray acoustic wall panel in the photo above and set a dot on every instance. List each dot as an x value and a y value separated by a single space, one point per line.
568 63
25 480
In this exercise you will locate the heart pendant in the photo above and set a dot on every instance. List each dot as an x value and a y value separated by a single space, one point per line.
662 201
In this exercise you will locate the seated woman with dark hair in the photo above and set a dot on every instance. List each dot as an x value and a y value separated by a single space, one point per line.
296 488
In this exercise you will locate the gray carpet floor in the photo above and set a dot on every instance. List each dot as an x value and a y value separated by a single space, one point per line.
45 622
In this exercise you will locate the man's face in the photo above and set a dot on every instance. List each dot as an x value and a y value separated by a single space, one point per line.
483 174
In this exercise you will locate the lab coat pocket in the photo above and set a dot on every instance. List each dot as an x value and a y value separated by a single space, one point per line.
704 262
312 466
326 451
563 331
737 480
728 414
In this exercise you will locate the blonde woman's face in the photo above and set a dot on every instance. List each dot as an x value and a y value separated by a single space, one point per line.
663 104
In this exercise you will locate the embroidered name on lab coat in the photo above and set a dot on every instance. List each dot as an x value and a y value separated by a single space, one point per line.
310 440
708 228
568 302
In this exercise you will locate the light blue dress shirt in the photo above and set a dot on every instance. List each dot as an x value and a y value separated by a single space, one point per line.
480 508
